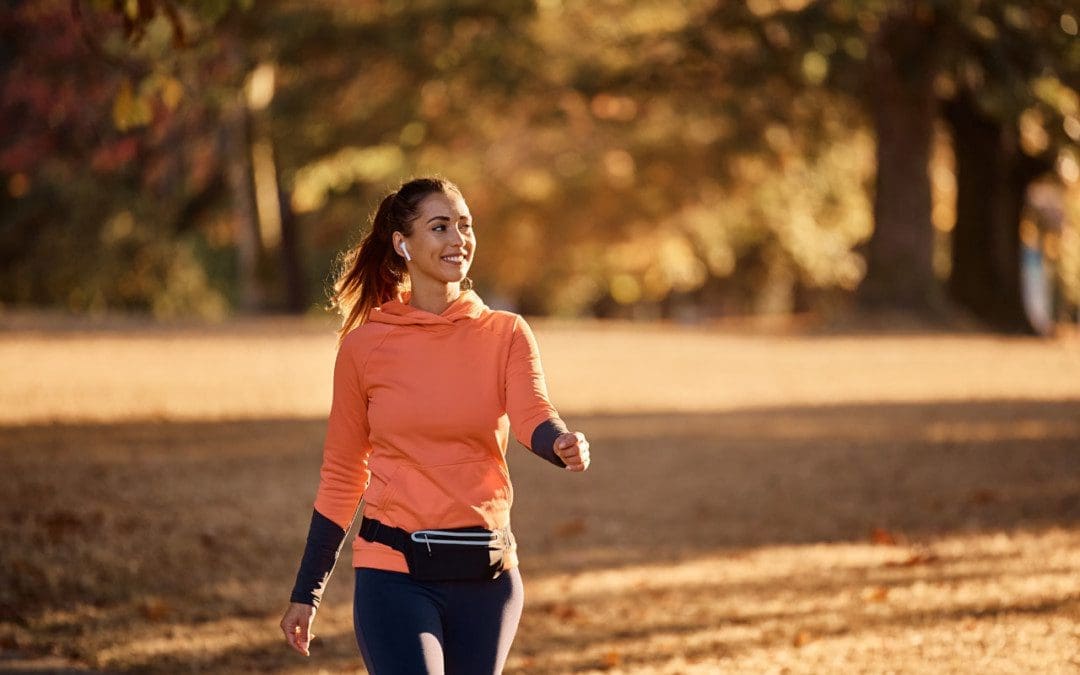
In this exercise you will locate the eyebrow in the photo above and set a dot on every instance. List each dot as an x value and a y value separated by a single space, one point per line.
447 218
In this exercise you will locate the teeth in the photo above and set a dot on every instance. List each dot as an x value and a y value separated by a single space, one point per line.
453 258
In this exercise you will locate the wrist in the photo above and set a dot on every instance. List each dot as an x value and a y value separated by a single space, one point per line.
305 599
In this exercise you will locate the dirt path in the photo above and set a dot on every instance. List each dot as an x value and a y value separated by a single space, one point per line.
757 503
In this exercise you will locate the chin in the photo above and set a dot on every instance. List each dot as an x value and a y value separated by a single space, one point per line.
456 279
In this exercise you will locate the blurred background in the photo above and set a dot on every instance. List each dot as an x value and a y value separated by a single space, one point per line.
806 273
646 160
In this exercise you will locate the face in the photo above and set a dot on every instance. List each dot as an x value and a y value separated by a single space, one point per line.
442 242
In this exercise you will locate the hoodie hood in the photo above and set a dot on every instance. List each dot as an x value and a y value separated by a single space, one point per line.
398 312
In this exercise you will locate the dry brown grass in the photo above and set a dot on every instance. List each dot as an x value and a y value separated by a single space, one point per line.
758 502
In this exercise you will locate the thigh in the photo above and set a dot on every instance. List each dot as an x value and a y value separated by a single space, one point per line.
398 624
480 621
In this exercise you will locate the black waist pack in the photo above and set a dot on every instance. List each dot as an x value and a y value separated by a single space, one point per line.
452 554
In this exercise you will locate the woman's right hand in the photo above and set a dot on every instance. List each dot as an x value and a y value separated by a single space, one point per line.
297 626
573 449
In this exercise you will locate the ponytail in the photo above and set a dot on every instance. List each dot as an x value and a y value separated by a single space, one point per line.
371 272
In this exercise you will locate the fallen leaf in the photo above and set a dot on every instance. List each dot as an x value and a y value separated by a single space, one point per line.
563 611
876 594
983 496
155 609
801 638
919 557
570 528
881 536
59 524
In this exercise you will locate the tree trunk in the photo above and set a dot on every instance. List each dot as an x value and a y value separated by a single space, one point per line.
245 216
899 274
291 257
992 176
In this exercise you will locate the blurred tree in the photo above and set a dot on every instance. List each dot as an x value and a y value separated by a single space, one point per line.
243 91
692 184
370 94
992 64
1011 97
112 159
902 62
635 158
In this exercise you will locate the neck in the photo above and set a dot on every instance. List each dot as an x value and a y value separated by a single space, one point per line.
434 297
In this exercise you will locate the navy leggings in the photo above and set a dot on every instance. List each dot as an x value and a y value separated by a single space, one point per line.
409 627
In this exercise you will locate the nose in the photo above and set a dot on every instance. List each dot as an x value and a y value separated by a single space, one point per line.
461 236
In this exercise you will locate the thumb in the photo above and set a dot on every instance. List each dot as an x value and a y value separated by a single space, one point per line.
303 636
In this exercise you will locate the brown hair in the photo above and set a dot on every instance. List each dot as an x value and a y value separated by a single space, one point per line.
371 272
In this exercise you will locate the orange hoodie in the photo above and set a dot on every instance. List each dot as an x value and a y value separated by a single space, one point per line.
422 409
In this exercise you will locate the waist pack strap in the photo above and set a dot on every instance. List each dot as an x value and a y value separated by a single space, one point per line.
373 530
395 537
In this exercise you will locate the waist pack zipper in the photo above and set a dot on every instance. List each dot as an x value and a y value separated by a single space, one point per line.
456 538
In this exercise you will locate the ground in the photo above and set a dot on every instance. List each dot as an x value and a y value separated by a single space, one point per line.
760 500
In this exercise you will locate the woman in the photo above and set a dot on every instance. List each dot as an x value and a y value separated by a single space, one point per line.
428 381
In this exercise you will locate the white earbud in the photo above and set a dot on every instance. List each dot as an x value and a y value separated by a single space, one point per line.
405 251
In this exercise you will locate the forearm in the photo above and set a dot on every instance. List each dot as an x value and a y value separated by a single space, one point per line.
324 542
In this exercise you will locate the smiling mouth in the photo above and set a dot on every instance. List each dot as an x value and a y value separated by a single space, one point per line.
454 259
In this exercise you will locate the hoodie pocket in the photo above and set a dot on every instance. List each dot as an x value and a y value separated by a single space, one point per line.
381 485
472 492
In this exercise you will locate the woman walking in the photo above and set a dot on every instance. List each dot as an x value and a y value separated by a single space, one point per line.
428 384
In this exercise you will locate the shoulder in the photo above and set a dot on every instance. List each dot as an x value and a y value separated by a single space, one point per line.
506 317
361 341
506 322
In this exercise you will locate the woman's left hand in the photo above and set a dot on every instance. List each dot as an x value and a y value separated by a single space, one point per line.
573 450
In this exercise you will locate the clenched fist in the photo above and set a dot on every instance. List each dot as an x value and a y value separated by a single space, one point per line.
573 450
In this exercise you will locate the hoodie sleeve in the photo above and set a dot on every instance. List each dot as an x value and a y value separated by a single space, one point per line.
344 474
533 420
342 479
